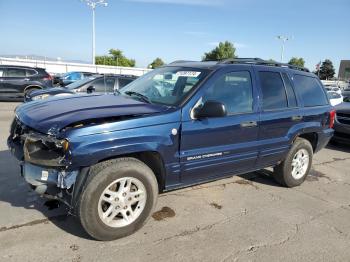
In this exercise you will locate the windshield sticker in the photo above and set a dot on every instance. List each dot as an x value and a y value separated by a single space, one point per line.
188 73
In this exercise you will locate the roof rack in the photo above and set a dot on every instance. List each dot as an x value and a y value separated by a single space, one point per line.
259 61
181 61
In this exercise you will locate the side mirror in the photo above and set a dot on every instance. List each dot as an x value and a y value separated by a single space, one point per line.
90 89
210 109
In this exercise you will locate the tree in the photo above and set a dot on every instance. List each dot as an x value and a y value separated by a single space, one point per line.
326 71
158 62
115 58
297 61
225 50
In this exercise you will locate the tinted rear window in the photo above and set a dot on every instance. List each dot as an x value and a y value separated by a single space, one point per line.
310 90
30 72
292 100
124 81
274 93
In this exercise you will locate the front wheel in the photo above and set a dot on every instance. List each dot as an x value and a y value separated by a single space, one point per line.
119 197
295 168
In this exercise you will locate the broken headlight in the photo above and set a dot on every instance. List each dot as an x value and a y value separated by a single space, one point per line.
45 151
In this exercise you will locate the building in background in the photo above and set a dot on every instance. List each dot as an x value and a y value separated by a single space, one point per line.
344 70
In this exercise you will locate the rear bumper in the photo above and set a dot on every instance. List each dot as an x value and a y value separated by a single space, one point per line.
323 138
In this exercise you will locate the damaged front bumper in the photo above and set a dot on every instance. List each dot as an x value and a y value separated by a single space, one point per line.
48 180
45 163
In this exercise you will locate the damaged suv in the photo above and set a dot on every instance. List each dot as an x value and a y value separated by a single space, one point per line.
107 157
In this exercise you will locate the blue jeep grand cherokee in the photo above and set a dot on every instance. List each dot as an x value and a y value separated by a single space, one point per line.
108 156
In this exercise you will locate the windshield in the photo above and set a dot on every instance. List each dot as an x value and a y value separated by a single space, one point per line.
165 85
79 83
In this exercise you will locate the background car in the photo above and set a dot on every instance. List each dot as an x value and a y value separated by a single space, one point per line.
334 98
18 81
71 77
333 88
92 84
342 122
346 92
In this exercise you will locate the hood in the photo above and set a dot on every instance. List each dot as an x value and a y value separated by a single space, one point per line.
51 115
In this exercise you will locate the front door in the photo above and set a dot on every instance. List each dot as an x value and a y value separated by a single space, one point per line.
214 147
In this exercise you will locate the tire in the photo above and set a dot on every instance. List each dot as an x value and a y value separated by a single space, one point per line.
111 175
284 173
29 90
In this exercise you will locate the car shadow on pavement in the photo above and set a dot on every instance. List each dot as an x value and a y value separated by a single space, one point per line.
17 193
338 147
263 176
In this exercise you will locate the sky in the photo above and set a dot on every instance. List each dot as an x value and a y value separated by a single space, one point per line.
177 29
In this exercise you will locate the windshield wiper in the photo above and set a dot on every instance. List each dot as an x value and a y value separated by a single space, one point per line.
143 97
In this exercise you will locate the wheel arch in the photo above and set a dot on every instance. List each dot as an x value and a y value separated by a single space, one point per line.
312 137
152 159
32 87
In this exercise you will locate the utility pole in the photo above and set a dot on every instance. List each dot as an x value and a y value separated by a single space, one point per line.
93 4
283 39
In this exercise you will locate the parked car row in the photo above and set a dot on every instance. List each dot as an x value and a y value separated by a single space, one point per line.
20 82
93 84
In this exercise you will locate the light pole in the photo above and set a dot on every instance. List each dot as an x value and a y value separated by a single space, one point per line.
284 39
93 4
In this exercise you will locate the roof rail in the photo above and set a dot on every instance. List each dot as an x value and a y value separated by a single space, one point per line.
259 61
181 61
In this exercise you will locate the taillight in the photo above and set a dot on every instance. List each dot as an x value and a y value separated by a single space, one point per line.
331 118
48 78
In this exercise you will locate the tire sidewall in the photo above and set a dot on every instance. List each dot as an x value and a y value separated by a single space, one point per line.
289 180
88 209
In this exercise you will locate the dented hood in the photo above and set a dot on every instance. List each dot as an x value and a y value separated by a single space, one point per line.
51 115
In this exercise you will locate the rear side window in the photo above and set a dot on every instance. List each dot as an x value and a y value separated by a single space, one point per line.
30 72
2 72
16 72
274 93
124 81
310 90
292 101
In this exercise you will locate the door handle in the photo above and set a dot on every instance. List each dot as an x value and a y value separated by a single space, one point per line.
297 118
249 124
26 79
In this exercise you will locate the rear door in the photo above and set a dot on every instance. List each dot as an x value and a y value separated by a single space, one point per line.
14 82
280 113
214 147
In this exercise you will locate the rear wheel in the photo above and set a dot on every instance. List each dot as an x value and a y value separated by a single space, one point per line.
295 168
118 198
29 90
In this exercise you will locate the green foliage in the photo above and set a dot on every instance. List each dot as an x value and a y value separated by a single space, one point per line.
223 51
158 62
297 61
115 58
327 70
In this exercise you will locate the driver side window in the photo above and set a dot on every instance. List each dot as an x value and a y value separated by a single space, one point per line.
234 90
